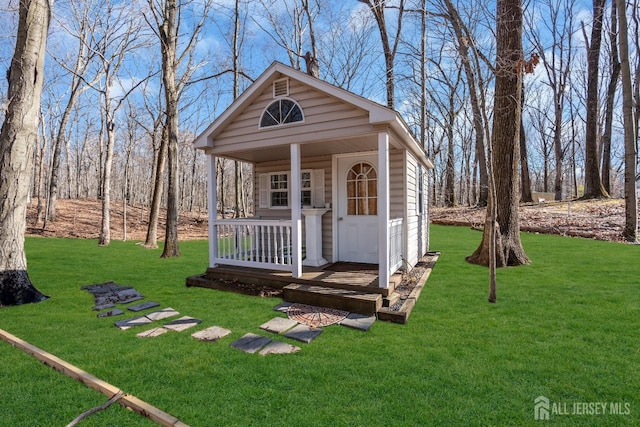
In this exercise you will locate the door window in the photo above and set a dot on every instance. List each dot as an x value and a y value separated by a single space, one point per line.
362 190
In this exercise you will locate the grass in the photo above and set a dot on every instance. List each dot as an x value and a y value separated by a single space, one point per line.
566 327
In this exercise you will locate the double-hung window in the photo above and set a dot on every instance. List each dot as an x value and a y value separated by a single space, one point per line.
275 189
279 190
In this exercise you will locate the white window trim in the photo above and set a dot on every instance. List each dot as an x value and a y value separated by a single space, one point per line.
279 125
315 188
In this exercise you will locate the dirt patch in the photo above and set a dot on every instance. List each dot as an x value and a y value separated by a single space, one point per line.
81 218
593 219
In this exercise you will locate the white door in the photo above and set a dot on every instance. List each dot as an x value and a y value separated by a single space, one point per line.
357 208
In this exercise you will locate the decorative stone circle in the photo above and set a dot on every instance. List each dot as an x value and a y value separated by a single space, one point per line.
315 317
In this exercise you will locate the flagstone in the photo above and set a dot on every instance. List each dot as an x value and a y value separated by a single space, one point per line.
152 332
134 321
283 307
143 306
114 312
250 343
182 323
279 347
162 314
212 333
303 333
358 321
278 325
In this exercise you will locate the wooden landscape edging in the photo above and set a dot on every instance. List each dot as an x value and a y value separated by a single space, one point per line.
402 315
127 400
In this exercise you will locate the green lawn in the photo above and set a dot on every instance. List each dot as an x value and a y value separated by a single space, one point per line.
566 327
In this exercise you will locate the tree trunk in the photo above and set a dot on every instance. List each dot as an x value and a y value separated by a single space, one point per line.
151 240
17 142
505 141
169 40
557 145
610 100
525 179
593 187
630 148
105 229
450 171
57 147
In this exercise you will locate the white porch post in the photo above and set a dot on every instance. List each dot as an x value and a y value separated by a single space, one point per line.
296 211
383 210
212 204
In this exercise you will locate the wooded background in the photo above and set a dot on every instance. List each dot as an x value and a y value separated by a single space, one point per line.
104 131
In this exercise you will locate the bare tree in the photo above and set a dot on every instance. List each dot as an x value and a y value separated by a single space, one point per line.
556 30
81 13
465 44
445 97
166 15
378 8
17 142
346 50
614 65
593 187
505 146
630 147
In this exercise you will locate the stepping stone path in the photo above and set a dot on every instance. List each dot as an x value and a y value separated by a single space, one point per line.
303 322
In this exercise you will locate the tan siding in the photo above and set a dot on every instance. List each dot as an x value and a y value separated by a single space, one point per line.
323 115
412 224
396 184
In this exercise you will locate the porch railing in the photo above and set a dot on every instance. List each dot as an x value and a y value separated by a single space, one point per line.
395 244
254 243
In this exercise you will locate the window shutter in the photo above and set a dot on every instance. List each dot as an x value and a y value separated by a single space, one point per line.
263 196
318 188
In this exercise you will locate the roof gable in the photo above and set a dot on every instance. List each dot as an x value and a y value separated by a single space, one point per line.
377 114
335 113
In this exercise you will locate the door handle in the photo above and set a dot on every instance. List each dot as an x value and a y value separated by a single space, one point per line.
340 219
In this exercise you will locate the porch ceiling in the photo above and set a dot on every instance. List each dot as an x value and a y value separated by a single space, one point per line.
308 149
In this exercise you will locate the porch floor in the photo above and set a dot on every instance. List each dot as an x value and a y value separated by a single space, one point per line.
341 275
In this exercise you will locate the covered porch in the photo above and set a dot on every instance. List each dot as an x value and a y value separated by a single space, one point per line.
281 243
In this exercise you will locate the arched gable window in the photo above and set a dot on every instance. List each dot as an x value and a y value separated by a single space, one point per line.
280 112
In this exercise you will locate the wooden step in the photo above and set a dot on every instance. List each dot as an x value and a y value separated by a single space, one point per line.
341 299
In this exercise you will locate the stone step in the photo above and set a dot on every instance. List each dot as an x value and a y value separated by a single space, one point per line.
340 299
